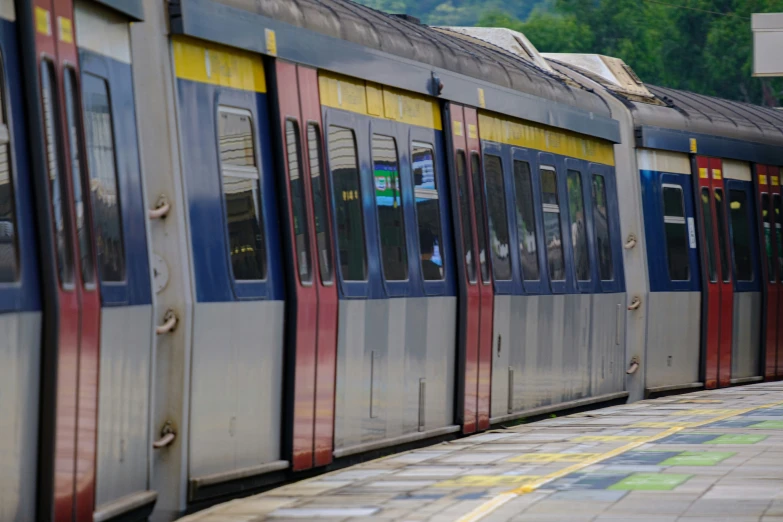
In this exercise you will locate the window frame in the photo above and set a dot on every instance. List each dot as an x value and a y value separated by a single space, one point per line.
242 288
517 213
547 162
7 139
770 257
583 285
308 280
324 188
502 286
664 237
725 274
754 227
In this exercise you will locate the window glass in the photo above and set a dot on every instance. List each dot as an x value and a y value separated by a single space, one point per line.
706 216
74 137
427 211
766 214
552 233
323 238
298 202
348 204
9 260
720 213
601 224
498 222
526 221
464 210
576 212
56 189
676 231
740 234
246 241
388 201
479 206
778 233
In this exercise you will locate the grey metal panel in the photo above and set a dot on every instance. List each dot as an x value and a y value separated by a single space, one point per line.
236 390
607 344
673 338
20 344
130 8
124 401
385 348
746 345
519 89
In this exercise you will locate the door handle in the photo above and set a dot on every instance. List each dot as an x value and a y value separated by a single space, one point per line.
169 323
635 304
167 436
630 242
161 209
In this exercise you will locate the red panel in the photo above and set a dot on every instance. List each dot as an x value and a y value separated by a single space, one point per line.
770 286
726 282
484 384
327 292
303 340
470 305
711 290
775 188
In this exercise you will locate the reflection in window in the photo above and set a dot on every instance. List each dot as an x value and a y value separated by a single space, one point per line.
348 204
778 233
298 202
464 210
709 241
601 224
9 260
56 188
323 237
427 211
74 136
479 206
552 234
576 211
388 200
766 215
498 222
720 213
740 234
676 231
246 242
526 221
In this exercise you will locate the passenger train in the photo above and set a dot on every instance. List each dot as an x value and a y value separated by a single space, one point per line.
244 241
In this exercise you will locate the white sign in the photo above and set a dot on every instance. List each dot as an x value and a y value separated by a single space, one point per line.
692 232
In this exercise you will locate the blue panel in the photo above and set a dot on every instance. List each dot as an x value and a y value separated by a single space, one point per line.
136 289
375 287
747 188
24 295
655 237
208 228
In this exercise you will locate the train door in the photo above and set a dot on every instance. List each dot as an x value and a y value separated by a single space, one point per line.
312 304
718 293
476 296
777 215
769 270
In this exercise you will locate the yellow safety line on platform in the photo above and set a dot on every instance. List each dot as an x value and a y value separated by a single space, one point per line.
496 502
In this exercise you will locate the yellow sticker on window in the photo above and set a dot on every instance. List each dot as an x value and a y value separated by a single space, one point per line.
762 179
716 174
481 99
472 131
271 42
702 172
65 29
457 128
694 148
43 22
774 181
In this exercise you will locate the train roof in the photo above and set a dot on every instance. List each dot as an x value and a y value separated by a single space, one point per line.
461 63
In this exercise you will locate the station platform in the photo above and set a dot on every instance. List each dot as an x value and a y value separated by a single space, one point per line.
709 456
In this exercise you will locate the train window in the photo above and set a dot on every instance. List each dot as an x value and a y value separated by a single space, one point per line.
74 145
526 221
104 188
720 213
676 231
766 214
56 187
298 202
464 210
740 234
348 208
601 225
778 233
246 241
706 215
318 181
478 204
9 260
498 222
388 201
576 211
552 233
427 211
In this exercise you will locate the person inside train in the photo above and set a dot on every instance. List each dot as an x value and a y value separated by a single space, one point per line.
430 270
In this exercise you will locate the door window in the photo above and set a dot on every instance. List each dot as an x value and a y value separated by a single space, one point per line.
766 216
464 210
323 237
427 211
498 221
740 234
298 202
778 233
706 216
676 232
478 204
576 211
388 202
526 221
720 216
9 244
601 224
553 236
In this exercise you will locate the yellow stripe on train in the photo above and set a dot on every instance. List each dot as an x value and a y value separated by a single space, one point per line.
205 62
544 138
370 99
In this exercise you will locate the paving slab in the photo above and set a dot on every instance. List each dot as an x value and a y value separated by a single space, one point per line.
706 456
